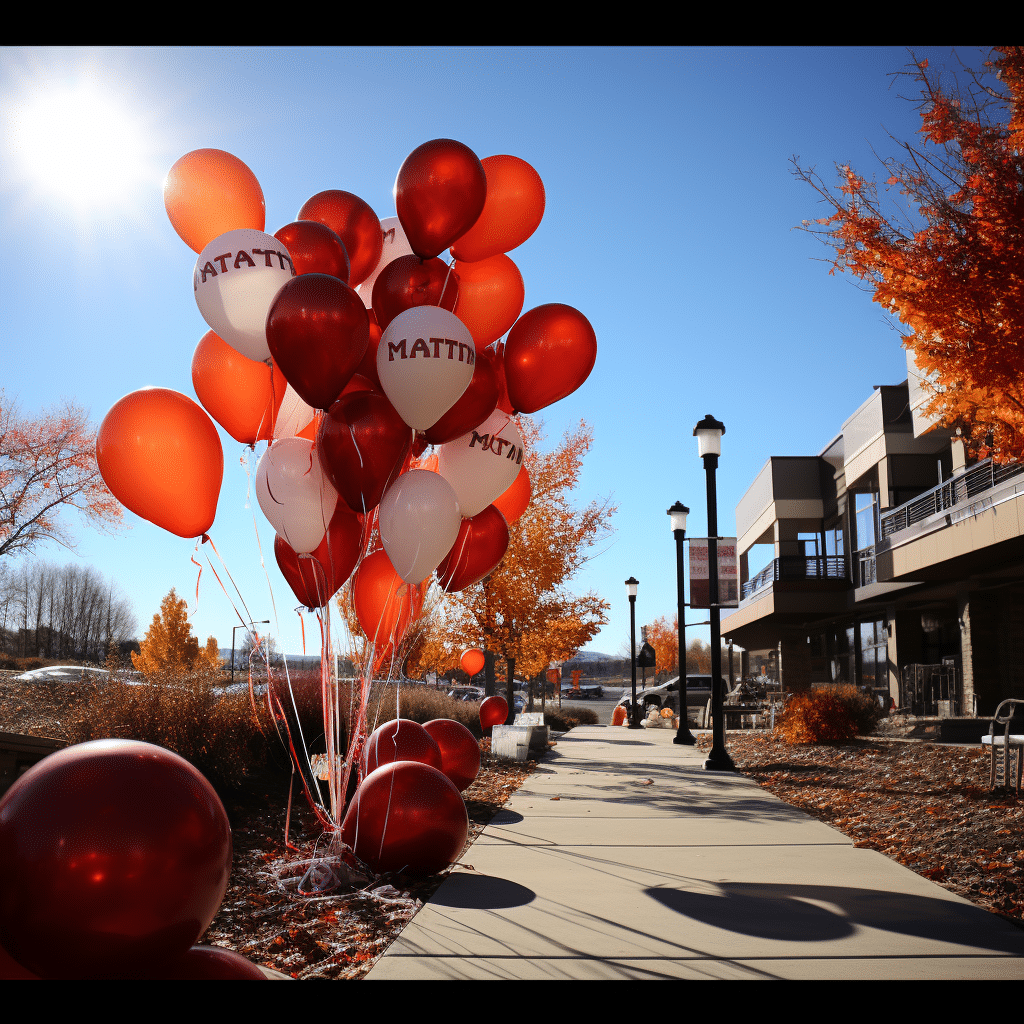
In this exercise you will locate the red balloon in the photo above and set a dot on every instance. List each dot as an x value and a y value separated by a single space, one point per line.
439 194
317 332
363 442
383 603
208 963
355 223
315 249
116 855
410 281
11 970
479 547
460 751
160 455
478 401
400 740
472 661
491 295
493 711
499 373
549 353
315 578
406 816
511 213
513 503
368 367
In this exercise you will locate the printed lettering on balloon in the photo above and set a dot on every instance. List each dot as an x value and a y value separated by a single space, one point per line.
209 270
467 353
487 442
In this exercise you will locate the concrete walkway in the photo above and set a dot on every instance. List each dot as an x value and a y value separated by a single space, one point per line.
621 857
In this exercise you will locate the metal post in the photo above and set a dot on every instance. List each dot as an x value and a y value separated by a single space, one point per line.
683 734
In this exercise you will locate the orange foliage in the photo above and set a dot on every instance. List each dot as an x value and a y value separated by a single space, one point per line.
817 716
47 466
170 645
955 279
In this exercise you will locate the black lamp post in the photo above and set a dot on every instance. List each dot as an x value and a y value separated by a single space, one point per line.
631 585
678 513
709 446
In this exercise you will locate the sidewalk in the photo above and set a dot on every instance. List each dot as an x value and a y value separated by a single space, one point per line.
621 857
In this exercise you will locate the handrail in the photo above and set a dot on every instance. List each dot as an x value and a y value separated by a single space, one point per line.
977 480
797 567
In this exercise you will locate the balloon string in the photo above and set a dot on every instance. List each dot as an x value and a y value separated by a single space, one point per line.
199 566
451 267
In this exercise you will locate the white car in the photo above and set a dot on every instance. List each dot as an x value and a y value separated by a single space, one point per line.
666 695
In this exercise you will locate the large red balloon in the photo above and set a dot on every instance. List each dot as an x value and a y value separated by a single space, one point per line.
315 249
209 192
207 963
355 223
160 455
478 401
317 332
472 661
460 751
315 578
363 442
513 503
408 817
549 353
491 295
242 395
383 603
115 856
410 281
439 194
512 211
400 740
493 711
479 547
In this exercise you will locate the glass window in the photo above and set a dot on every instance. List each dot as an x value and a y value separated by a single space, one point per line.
864 516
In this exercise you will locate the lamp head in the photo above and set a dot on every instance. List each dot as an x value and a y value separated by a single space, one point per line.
678 513
631 585
709 436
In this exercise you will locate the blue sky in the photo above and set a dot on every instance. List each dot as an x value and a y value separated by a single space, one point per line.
670 221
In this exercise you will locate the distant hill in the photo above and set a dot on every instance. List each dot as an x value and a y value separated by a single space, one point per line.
593 656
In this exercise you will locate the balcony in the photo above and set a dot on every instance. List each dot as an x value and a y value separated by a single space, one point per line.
797 568
975 481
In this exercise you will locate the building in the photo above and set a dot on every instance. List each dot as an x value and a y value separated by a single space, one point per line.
889 561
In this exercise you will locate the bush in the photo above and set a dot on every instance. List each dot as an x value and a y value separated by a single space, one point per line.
817 716
862 707
564 720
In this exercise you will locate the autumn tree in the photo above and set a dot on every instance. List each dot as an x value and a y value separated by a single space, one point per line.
170 647
524 612
948 257
48 467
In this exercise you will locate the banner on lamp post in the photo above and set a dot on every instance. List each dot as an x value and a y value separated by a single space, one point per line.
728 573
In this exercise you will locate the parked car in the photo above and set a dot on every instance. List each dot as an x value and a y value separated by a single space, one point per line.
586 691
466 692
666 695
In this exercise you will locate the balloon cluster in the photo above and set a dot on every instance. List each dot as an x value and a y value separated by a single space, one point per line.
114 859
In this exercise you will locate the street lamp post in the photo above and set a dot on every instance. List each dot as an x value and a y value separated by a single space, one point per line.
678 513
709 433
631 585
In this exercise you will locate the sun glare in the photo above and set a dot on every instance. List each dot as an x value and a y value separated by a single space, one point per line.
79 145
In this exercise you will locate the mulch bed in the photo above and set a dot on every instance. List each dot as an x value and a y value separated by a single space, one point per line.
925 805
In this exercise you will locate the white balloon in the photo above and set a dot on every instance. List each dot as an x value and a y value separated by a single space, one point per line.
395 245
482 464
295 494
236 279
293 415
419 521
425 362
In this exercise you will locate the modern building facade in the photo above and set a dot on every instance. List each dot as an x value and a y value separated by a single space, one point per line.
895 563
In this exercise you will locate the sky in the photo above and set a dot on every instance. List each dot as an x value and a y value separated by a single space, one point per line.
671 222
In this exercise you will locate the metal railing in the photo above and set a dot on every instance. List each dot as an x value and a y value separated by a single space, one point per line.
974 482
797 567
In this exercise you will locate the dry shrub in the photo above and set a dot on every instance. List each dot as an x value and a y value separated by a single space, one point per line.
563 720
816 716
214 731
862 707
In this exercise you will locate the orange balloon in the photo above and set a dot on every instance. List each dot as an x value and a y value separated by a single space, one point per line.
512 504
243 396
160 455
208 192
490 297
512 210
382 602
472 661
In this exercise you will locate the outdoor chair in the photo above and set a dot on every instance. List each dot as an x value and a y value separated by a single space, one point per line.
1002 743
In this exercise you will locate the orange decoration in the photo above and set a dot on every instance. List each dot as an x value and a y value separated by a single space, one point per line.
160 455
382 602
208 192
512 504
472 661
512 210
490 297
243 396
